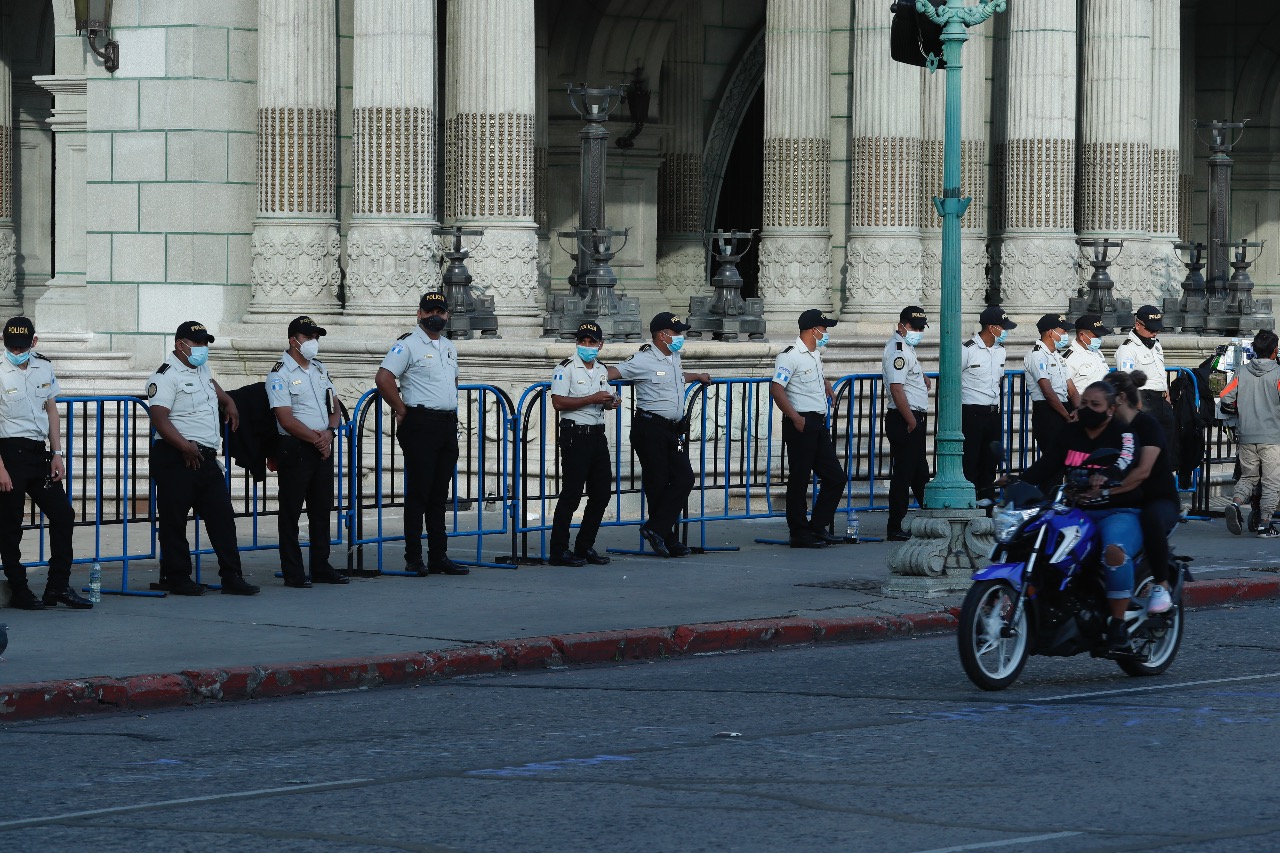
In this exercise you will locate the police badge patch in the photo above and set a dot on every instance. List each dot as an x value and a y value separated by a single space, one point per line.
899 363
151 390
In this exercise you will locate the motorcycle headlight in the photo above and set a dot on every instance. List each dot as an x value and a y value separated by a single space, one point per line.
1007 520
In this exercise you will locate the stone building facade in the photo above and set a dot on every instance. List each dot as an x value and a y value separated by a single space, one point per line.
256 159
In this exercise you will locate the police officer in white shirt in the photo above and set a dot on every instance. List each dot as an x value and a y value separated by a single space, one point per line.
1052 399
306 408
1142 350
905 422
658 428
184 401
418 378
28 418
801 390
580 393
1085 364
981 384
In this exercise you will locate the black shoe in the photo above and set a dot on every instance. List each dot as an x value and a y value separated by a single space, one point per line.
297 583
828 538
332 576
416 568
590 556
655 542
67 596
186 586
806 540
445 566
25 599
566 558
238 586
899 536
1118 636
679 549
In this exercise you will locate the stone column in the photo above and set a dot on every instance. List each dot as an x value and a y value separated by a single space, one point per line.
883 252
1115 130
1036 160
973 177
391 248
1166 137
541 146
681 254
1186 128
795 244
63 305
490 101
295 237
8 244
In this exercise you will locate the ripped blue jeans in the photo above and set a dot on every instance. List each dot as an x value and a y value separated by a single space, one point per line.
1123 528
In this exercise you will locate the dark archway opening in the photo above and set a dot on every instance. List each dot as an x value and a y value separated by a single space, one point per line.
741 203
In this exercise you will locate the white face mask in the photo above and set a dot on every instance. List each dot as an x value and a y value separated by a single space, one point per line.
309 349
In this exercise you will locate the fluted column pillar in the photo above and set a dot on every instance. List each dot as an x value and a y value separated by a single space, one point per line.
795 243
883 251
1186 129
541 147
295 237
489 138
391 248
1036 160
1115 130
8 244
1166 133
681 254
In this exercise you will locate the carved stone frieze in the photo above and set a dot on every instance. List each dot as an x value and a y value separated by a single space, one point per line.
883 273
1036 181
489 165
295 268
794 268
8 268
681 268
1165 191
973 272
886 175
505 264
6 169
797 183
680 193
1037 274
1115 187
393 149
296 160
389 267
973 168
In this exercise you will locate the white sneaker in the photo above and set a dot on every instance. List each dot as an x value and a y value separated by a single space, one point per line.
1159 601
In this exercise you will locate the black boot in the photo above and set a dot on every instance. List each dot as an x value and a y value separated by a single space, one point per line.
22 598
54 596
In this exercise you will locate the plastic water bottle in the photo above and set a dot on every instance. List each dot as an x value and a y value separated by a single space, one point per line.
851 529
95 583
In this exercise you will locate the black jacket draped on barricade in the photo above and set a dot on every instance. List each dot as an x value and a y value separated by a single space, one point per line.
1190 421
255 441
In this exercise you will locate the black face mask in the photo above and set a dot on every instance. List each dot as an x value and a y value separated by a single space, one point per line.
1092 418
434 323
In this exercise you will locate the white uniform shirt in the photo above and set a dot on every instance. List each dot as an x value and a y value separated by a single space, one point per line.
305 390
1133 354
192 401
659 381
901 366
1043 362
981 372
22 399
799 372
427 370
574 379
1084 367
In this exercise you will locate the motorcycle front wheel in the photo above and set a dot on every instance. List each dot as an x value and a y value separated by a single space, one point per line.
1159 644
992 661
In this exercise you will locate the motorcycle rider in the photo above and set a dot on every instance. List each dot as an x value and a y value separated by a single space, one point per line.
1115 511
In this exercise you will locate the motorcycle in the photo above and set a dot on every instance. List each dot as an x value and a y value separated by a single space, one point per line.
1044 594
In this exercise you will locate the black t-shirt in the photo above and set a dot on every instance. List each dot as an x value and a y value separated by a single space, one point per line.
1159 484
1074 446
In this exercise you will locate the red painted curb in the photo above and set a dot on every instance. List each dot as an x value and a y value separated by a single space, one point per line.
51 699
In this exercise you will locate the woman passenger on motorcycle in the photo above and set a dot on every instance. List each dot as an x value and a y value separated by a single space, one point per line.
1115 512
1153 476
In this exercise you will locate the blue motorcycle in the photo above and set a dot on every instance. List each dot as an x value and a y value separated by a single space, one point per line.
1043 593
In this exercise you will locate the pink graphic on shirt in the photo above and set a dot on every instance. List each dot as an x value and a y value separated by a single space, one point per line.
1075 458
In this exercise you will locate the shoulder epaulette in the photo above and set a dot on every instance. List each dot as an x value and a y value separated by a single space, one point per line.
969 342
1068 353
39 356
279 366
646 347
162 368
1037 347
405 335
899 346
318 363
566 362
789 349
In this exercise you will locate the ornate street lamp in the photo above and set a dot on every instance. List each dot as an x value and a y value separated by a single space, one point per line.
93 20
1101 299
470 314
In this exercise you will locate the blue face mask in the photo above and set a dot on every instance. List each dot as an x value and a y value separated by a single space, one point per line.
588 354
913 337
17 359
198 356
1000 338
677 343
1063 342
1095 344
822 341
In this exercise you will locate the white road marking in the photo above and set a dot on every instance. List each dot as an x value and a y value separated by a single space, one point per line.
213 798
1006 843
1157 687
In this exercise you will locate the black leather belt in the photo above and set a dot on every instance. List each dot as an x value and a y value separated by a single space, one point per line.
1148 394
574 426
813 414
919 413
22 444
981 407
671 423
434 414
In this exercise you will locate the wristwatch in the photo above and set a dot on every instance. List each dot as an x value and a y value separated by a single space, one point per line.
58 453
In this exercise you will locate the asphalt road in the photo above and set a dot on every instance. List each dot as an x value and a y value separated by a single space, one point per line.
864 747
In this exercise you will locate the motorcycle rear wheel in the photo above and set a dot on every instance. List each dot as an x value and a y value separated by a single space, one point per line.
992 662
1161 645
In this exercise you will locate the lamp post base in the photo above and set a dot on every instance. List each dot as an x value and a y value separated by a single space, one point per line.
945 549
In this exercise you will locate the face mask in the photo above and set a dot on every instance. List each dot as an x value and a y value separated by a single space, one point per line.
677 343
309 349
1063 342
822 341
1004 333
588 354
913 337
434 323
198 356
17 359
1095 344
1092 418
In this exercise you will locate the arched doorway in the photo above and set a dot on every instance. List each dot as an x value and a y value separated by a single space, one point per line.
741 202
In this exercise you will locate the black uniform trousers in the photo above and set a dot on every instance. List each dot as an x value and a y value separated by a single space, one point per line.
307 477
429 439
27 462
810 452
584 465
665 473
981 426
1154 404
179 490
910 464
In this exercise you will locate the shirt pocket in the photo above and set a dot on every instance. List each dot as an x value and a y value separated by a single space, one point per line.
15 388
42 392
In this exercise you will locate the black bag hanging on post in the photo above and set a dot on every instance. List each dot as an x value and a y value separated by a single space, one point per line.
915 37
